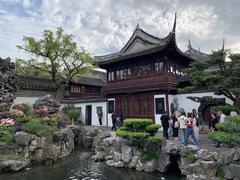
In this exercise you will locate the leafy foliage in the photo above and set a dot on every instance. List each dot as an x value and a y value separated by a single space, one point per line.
6 134
38 128
148 156
56 55
139 131
155 139
189 155
220 173
226 109
137 125
222 78
229 132
152 129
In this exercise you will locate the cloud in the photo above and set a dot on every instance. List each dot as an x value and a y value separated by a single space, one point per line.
104 26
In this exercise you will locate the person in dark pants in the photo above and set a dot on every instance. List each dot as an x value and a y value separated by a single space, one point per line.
121 119
165 124
99 114
114 120
175 127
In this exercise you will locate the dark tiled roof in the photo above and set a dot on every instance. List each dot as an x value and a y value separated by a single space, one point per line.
91 81
140 43
197 55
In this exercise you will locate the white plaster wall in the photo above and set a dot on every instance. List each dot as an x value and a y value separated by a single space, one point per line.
26 100
188 104
95 121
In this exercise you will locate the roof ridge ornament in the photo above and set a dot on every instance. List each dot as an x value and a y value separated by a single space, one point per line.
174 24
137 26
189 44
223 44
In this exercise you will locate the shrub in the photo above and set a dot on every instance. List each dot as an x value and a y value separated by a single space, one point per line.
189 155
123 129
224 137
226 109
137 124
6 134
122 133
138 135
33 127
155 139
73 113
228 132
152 129
148 156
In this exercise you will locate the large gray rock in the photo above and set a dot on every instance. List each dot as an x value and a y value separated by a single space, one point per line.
117 164
208 168
52 104
163 162
232 171
150 166
200 177
170 147
139 166
14 165
133 162
204 154
126 153
22 138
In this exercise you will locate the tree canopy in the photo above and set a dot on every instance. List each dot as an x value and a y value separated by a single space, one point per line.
219 75
57 56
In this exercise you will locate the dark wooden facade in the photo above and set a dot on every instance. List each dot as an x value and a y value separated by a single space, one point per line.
145 67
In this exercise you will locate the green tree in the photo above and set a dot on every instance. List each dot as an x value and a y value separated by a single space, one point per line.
219 75
57 56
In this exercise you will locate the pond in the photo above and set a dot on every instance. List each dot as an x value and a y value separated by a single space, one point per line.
80 166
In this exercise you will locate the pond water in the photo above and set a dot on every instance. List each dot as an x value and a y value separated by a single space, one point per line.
79 166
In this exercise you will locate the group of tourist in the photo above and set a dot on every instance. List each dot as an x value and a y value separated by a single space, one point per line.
189 124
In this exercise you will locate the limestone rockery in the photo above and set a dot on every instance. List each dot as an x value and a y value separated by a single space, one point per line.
30 149
192 162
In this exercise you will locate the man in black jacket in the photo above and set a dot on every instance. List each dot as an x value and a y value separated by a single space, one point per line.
165 124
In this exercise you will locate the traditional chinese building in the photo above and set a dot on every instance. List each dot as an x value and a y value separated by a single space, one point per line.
143 77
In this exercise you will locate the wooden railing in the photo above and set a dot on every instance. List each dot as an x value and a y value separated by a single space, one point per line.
164 81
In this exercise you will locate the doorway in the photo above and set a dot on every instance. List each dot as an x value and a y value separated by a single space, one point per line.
88 120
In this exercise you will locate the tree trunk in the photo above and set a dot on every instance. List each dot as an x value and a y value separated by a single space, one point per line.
59 94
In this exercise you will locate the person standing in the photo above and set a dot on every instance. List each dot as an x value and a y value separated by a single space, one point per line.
214 122
221 116
114 119
182 122
195 124
99 114
190 132
175 127
165 124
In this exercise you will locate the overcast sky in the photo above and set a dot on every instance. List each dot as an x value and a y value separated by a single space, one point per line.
104 26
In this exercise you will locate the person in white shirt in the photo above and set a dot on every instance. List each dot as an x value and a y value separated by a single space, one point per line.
222 116
182 122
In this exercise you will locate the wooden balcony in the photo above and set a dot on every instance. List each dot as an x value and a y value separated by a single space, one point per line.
166 81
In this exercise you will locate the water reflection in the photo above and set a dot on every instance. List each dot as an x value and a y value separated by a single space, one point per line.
79 166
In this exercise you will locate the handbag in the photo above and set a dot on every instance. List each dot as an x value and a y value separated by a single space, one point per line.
176 124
